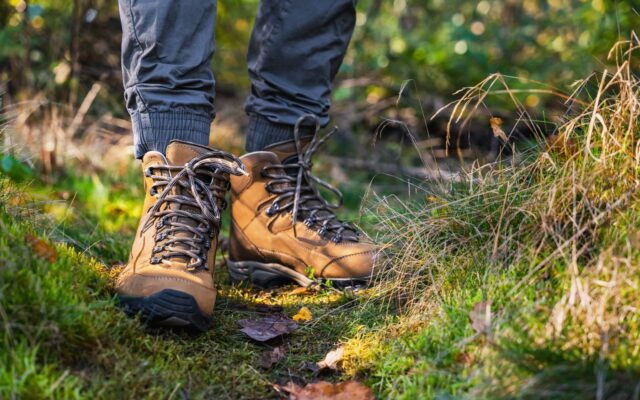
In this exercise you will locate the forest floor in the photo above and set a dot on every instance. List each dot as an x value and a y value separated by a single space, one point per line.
61 248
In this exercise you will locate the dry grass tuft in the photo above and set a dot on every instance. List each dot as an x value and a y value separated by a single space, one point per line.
550 237
54 137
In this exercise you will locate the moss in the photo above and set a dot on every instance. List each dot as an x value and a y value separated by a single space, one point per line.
63 335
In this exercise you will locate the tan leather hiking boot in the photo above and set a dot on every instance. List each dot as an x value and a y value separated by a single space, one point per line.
282 229
169 276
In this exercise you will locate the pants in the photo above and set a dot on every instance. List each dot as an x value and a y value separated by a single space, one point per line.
296 49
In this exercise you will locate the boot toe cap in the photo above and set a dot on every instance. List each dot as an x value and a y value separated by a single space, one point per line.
152 280
359 264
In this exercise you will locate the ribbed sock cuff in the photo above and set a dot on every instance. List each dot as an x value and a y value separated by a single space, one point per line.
154 130
263 132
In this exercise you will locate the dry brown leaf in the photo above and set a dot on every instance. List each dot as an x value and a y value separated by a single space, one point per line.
349 390
269 358
42 249
299 291
480 317
496 127
304 314
332 359
267 328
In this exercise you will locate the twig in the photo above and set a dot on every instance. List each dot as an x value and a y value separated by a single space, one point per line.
84 109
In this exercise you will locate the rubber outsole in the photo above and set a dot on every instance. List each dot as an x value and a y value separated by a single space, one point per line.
168 308
270 275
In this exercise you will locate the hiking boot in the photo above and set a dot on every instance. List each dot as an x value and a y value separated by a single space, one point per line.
282 229
169 276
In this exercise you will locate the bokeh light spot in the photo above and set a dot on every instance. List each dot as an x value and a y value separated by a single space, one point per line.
461 47
477 28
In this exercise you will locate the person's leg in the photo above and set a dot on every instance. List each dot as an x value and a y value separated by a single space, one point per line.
166 56
281 226
295 52
166 66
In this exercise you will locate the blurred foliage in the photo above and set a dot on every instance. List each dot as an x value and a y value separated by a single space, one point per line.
62 46
446 45
14 169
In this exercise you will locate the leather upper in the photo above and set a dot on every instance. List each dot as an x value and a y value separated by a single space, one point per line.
258 236
142 276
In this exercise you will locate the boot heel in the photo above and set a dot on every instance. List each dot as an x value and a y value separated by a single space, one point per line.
265 275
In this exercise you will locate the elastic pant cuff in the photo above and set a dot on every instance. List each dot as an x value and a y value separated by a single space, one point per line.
153 131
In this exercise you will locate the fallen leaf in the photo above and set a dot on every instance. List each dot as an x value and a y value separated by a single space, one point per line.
496 127
349 390
480 317
303 315
332 359
42 248
299 291
269 358
267 328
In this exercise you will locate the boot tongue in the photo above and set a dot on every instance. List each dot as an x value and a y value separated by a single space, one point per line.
259 158
179 153
286 151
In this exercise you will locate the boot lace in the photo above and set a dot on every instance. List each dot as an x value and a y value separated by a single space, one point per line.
194 192
298 190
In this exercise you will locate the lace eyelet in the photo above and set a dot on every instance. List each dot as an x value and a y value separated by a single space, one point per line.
337 239
322 231
154 260
160 224
158 249
271 211
309 222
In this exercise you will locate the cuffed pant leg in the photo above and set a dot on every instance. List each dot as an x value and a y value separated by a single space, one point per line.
166 65
295 52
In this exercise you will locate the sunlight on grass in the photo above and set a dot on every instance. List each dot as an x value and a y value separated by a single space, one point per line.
518 280
547 238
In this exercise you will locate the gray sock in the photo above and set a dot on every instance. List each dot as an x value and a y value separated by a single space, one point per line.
154 130
263 133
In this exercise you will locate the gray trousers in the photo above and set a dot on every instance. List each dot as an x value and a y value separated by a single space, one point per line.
296 49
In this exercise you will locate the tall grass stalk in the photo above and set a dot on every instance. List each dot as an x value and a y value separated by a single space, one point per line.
546 240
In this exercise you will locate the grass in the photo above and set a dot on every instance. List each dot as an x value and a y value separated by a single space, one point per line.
63 335
519 281
546 242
